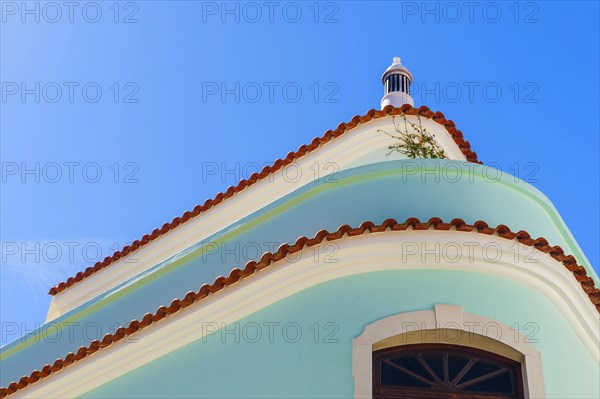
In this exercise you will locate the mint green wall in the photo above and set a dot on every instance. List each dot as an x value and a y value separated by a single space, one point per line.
221 368
395 189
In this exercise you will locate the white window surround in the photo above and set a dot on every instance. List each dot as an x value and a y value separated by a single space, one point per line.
445 324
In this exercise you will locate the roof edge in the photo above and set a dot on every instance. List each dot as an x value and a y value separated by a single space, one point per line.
304 149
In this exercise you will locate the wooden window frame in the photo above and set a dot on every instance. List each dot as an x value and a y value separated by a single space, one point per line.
383 391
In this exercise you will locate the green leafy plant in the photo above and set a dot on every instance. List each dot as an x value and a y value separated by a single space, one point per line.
414 141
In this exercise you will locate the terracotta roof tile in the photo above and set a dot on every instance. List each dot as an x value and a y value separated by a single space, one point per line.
342 128
540 244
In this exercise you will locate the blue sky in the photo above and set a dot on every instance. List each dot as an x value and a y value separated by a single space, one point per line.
120 111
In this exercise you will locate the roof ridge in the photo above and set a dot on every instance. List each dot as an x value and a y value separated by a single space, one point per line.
329 135
540 244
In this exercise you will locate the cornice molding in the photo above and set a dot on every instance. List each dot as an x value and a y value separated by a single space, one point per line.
363 249
328 136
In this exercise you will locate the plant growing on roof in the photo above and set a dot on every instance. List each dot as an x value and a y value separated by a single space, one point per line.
414 141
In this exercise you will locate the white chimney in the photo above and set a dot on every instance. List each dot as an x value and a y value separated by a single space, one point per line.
396 80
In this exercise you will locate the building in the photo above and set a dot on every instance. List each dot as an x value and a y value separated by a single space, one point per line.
383 259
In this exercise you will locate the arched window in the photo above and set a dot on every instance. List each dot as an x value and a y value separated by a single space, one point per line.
444 371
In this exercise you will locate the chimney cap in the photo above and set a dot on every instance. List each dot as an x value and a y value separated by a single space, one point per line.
396 67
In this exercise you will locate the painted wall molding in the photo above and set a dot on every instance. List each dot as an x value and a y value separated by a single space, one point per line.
369 252
343 152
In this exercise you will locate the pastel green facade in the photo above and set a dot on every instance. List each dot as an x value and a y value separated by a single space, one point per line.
218 367
394 189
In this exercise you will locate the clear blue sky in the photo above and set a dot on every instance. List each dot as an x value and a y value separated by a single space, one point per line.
519 79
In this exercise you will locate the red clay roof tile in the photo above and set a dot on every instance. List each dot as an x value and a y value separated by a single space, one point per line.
540 244
342 128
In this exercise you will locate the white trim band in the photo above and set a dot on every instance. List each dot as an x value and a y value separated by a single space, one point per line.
365 253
